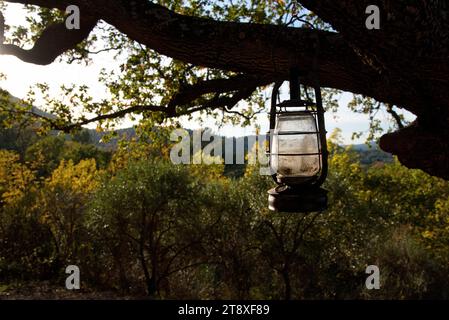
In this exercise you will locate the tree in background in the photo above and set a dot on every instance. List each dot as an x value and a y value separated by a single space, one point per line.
63 199
151 209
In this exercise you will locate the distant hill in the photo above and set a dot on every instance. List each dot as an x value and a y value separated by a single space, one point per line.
21 139
364 146
96 137
370 154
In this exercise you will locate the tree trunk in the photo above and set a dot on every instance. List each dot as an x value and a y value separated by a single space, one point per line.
287 283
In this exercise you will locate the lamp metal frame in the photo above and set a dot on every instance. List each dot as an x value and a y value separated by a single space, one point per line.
315 108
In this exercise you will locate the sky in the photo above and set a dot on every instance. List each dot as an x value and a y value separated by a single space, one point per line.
20 76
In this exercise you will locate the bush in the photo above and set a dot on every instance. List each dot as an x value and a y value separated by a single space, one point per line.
147 217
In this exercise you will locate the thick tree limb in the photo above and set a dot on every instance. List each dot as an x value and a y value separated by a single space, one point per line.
54 41
190 93
58 4
416 147
266 50
410 48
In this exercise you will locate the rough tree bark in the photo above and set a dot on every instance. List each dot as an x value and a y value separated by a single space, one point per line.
405 63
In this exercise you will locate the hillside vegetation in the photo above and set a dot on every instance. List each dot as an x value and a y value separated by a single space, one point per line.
137 226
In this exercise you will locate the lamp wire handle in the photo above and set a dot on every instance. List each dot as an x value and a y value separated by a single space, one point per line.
295 88
320 114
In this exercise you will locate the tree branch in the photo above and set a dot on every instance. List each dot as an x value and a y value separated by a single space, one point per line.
354 60
190 93
113 115
54 41
267 50
395 116
170 111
